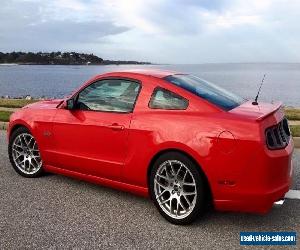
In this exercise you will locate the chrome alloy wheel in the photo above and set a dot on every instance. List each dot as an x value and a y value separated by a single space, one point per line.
26 154
175 189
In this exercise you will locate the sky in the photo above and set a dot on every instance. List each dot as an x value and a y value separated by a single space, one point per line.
158 31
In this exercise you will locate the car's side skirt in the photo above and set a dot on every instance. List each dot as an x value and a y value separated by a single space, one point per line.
142 191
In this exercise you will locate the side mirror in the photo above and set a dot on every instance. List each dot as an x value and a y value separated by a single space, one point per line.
70 104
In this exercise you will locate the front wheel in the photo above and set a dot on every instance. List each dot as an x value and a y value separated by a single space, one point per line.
24 153
177 188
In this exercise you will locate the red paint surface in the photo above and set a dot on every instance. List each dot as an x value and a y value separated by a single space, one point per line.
229 147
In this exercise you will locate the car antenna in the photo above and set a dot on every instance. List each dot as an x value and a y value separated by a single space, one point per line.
255 100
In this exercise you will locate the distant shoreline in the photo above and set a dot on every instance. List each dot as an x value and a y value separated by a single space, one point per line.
59 58
107 64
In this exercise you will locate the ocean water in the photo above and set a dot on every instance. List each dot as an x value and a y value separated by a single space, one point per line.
282 81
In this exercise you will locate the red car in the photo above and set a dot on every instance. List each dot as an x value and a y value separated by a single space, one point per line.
175 137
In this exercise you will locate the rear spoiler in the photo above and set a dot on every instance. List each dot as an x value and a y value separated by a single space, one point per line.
276 107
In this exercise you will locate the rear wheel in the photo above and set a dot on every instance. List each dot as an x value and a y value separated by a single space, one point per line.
24 154
177 188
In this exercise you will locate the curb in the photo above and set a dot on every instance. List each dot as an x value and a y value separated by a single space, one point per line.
8 109
292 122
3 125
296 142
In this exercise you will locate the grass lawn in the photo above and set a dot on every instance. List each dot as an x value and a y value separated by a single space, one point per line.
4 116
292 114
15 103
295 129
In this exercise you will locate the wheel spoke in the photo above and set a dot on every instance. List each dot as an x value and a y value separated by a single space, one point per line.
24 139
15 146
36 163
178 170
32 165
185 175
16 150
172 168
161 185
168 174
187 200
26 166
182 206
165 201
189 193
158 196
164 177
188 184
18 156
171 206
177 209
30 142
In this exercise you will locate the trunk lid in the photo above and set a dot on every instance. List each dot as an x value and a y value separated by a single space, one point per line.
258 112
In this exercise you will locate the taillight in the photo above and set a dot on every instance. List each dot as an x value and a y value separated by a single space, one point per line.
278 136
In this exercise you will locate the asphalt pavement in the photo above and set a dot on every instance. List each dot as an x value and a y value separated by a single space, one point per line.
57 212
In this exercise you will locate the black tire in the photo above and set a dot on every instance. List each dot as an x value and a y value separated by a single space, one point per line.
17 132
200 199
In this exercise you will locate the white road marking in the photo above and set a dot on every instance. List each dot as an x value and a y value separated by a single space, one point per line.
293 194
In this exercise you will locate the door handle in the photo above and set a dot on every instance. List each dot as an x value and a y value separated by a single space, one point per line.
116 126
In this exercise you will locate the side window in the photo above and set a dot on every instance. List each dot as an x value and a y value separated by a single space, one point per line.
115 95
165 99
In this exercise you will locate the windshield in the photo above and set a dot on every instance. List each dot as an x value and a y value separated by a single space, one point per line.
208 91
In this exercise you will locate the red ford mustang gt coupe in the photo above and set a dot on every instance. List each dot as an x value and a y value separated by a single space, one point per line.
175 137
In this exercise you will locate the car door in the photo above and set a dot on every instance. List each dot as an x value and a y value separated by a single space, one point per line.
92 138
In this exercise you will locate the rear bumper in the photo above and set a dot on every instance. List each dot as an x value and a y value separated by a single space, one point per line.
267 181
253 203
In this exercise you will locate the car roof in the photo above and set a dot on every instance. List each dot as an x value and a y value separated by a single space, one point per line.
148 72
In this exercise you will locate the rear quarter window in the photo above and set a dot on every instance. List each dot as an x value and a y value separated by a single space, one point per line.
206 90
168 100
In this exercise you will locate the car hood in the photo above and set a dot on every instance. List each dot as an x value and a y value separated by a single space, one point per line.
256 112
45 104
